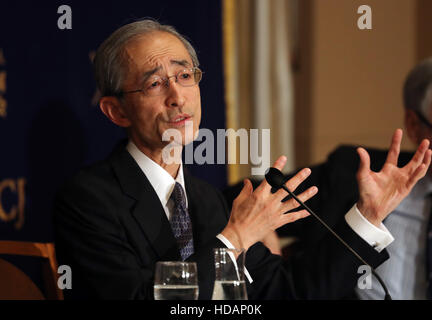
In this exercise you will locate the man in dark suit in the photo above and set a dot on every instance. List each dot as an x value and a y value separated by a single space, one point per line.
406 272
114 220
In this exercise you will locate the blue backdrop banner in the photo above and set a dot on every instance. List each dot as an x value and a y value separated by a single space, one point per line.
50 123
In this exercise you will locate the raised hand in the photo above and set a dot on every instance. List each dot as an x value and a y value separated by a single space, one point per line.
381 192
256 213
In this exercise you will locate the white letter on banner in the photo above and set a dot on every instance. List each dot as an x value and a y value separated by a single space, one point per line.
65 20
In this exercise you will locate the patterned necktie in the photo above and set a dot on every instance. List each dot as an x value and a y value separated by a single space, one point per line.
181 223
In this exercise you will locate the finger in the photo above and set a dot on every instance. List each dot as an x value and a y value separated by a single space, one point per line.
291 217
245 192
418 157
393 153
303 197
421 170
293 183
418 174
364 166
278 164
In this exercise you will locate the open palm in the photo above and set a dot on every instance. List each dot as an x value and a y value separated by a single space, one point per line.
381 192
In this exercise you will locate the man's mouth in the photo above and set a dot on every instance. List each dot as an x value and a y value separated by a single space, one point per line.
180 120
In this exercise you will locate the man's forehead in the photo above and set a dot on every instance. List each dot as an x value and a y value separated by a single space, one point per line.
156 48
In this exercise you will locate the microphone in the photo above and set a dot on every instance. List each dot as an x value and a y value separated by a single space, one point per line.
276 179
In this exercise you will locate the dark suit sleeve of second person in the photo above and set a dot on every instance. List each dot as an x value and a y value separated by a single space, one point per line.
329 270
322 266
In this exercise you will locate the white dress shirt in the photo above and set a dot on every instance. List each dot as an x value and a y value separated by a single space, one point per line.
162 182
377 237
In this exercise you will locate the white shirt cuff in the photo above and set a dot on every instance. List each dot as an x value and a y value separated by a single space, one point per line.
377 237
230 246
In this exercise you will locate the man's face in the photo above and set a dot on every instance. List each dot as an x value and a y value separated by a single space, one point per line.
158 54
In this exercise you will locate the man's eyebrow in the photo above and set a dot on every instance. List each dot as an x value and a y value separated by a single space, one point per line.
183 63
149 73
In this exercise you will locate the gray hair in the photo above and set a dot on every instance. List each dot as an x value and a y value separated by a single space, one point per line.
417 91
110 66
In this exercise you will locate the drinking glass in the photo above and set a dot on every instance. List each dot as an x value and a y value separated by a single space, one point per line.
230 279
176 280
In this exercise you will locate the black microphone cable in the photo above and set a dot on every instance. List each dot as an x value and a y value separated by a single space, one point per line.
275 178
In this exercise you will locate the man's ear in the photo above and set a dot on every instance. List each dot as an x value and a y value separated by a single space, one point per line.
113 110
413 126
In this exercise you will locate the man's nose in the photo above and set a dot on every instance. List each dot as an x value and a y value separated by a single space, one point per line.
175 97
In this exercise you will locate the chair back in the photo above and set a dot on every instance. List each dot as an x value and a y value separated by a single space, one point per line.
16 285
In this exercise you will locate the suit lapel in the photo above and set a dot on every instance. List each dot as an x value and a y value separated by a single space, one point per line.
150 215
204 209
147 209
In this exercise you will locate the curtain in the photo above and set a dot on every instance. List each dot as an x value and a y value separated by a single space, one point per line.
259 38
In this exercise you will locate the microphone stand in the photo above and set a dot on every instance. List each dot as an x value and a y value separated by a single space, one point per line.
387 295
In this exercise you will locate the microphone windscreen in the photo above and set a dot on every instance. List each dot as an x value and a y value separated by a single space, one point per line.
274 177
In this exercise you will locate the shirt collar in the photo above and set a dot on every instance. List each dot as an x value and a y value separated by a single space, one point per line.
161 181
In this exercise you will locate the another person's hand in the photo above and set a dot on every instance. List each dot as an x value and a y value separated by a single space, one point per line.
381 192
256 213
